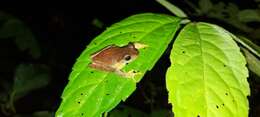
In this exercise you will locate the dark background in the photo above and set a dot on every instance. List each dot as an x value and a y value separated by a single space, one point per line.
63 32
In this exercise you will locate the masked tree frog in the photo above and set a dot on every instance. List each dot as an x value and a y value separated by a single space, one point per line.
114 58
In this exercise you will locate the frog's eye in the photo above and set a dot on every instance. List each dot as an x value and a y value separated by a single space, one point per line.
127 57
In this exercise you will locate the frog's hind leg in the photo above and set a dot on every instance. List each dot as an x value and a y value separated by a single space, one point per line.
102 67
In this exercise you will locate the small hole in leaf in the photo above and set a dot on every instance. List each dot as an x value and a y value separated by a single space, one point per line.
216 106
223 104
183 52
78 102
226 94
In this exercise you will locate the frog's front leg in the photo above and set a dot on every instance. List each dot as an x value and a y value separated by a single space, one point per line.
129 74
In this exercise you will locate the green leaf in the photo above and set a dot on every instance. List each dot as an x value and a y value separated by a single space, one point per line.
92 92
29 77
249 45
208 76
174 9
249 15
253 62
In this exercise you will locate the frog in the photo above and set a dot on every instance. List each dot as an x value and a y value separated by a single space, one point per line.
113 58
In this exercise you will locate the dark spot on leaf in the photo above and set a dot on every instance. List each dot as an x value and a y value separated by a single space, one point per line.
198 115
134 71
216 106
82 114
225 65
95 43
183 52
126 63
134 36
233 100
107 94
226 94
81 93
223 104
92 72
120 32
78 102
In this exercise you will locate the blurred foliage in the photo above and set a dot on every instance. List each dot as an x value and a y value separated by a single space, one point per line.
27 77
126 111
253 62
13 28
37 114
229 13
161 113
97 23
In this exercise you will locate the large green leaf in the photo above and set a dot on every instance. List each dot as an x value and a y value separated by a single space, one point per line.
92 92
208 76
